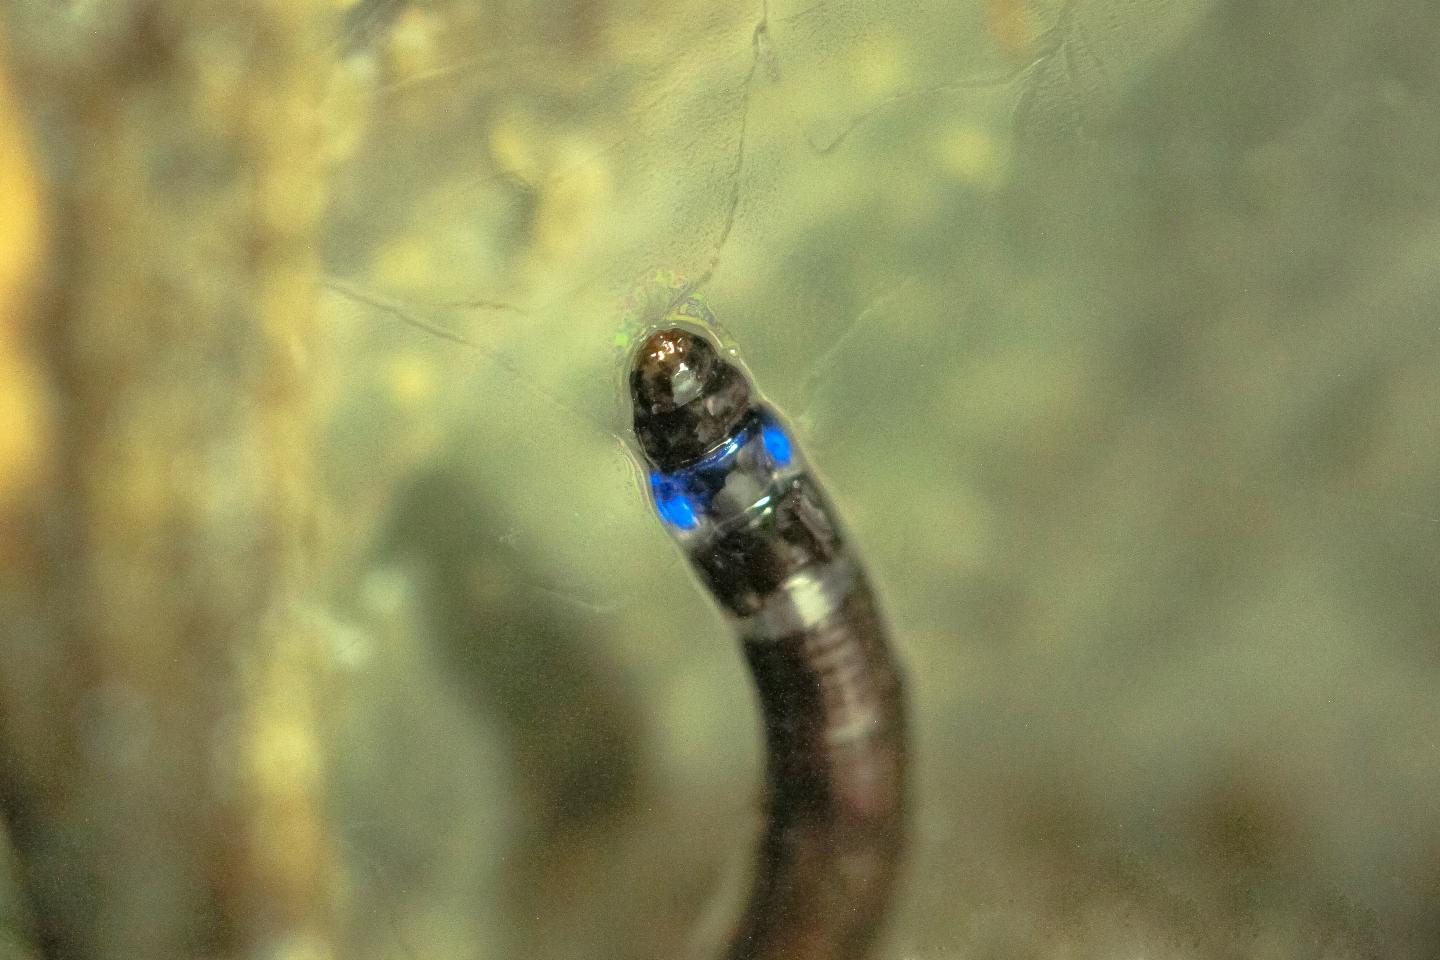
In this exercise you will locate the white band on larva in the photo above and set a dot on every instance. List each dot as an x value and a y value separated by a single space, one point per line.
801 602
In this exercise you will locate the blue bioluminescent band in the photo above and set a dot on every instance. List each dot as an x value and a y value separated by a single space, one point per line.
777 443
674 505
747 462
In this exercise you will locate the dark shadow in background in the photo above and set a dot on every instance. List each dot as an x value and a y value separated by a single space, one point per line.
533 669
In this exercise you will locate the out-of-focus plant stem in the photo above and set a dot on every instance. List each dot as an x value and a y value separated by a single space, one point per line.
159 748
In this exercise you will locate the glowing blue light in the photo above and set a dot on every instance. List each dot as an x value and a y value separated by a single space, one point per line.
777 444
672 503
722 454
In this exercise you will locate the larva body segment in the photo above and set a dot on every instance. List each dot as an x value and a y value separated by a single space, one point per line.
731 487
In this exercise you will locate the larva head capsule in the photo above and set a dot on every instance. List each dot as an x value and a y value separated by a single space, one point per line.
688 398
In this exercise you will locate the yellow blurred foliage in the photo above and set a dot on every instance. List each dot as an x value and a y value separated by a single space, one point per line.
23 433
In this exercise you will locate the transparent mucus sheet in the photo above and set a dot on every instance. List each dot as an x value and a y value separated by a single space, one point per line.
1109 326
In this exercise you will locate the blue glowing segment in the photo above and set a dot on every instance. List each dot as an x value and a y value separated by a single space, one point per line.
777 444
722 456
672 503
730 481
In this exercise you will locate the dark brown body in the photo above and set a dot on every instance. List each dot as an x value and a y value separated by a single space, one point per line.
834 809
734 492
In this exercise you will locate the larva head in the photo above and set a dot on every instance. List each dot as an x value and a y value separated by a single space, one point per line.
687 396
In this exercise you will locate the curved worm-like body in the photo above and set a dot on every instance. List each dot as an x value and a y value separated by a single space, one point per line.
731 488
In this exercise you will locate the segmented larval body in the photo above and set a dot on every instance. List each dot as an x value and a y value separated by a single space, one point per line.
731 487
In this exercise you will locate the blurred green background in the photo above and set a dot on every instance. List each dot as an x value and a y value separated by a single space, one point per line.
1109 323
